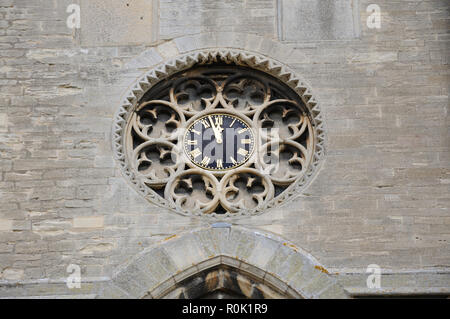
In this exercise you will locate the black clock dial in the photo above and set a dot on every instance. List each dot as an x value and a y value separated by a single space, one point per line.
219 142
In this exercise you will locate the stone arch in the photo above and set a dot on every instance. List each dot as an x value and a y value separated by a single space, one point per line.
226 279
260 258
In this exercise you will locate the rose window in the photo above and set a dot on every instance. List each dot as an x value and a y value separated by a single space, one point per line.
219 140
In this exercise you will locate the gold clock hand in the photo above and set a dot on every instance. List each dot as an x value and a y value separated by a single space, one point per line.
219 125
216 131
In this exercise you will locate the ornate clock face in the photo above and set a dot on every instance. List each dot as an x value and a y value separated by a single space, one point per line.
219 142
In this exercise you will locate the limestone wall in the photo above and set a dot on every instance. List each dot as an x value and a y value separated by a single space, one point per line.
381 196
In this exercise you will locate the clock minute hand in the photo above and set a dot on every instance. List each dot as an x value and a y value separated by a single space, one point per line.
219 127
216 131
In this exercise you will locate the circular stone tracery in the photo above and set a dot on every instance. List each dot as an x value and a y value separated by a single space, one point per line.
151 137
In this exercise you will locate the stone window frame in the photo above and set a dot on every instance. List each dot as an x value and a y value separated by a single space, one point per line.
206 56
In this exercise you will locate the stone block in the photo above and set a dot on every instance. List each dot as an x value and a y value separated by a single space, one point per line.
111 291
168 49
12 274
209 241
133 281
18 225
6 224
276 264
316 20
333 292
88 222
5 248
185 252
220 237
239 244
316 285
117 22
146 59
3 122
213 16
34 247
263 252
156 264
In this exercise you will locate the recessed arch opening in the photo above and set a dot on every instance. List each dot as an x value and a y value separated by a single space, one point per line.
225 261
225 282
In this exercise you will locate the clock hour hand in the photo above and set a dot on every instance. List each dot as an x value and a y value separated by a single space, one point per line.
219 124
217 132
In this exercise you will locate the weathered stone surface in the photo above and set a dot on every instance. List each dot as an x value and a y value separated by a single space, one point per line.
88 222
316 20
6 225
212 16
111 291
117 22
133 281
185 252
381 196
161 277
157 265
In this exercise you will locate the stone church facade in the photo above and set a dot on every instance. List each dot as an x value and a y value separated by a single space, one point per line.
84 84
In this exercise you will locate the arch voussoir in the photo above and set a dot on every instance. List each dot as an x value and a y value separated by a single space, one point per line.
157 271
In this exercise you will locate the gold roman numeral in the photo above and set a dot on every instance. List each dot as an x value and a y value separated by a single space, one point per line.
246 141
196 132
195 153
233 160
205 123
192 142
220 164
232 123
242 152
245 129
205 161
219 120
